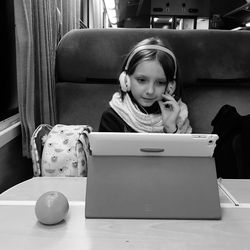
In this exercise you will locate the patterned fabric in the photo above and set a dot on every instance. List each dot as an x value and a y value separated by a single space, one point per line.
65 151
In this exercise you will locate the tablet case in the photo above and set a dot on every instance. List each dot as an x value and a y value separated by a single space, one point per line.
151 187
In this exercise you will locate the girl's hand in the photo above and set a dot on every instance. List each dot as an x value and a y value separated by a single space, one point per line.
169 110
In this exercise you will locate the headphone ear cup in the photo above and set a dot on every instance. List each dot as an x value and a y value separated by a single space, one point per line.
128 83
124 82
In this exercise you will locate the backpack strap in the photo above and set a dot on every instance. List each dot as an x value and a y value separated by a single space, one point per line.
37 142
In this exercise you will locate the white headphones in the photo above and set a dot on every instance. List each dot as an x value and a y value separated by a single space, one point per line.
124 78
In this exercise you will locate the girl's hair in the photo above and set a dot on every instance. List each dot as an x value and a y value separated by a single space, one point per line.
166 60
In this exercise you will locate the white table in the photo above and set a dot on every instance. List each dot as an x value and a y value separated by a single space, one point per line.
19 228
73 188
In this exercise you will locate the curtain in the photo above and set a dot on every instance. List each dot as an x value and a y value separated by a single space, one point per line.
39 26
96 13
70 11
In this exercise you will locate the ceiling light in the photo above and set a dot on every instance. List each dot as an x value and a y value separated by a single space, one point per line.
111 11
110 4
247 24
237 28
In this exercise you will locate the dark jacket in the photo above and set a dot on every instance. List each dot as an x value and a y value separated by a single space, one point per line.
112 122
232 152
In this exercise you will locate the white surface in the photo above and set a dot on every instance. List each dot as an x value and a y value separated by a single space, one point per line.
72 187
19 228
170 144
9 133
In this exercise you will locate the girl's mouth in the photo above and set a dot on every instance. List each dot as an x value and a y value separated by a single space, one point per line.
148 99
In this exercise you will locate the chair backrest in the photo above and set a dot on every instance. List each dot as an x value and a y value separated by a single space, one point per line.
213 68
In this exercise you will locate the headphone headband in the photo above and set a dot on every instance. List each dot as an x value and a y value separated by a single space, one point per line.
152 47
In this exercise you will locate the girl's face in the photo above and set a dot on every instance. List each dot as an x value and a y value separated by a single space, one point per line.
148 83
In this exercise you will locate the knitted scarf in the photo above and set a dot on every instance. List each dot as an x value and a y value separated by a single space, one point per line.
140 122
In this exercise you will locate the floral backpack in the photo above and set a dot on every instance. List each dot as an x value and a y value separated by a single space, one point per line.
62 150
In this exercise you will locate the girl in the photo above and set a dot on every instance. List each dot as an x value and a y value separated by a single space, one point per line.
147 101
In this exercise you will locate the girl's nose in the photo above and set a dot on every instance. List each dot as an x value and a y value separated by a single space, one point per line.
150 89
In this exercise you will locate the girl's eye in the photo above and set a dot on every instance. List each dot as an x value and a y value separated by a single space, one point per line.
140 80
161 83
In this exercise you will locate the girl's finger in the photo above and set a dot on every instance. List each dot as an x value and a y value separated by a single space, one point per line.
168 97
162 106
